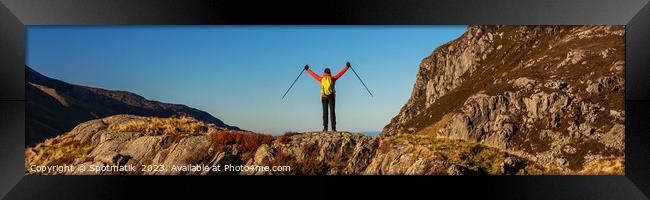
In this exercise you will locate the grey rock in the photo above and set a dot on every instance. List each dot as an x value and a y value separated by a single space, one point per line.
523 82
556 84
405 158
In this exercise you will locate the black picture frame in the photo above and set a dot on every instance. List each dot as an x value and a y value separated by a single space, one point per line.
635 14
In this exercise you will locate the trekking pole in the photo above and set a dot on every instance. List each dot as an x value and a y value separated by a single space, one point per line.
294 82
355 73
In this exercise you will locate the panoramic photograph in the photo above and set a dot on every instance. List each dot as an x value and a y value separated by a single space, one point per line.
325 100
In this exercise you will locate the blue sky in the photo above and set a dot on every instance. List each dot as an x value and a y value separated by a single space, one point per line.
239 73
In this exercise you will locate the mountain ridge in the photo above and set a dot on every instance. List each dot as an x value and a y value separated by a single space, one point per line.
55 106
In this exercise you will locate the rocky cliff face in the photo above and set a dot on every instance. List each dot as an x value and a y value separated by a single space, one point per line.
551 94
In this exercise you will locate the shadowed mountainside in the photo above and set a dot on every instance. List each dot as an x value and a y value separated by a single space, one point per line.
55 107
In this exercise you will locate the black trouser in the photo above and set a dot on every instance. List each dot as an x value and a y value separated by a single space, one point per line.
329 100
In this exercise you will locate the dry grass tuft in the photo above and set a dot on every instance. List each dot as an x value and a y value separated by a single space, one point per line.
55 151
170 126
607 166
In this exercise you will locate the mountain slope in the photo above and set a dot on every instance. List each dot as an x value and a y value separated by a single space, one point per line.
55 107
551 94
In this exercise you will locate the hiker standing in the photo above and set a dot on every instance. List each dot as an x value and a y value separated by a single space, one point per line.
327 92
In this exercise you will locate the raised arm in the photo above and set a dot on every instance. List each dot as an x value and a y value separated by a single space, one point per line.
314 75
341 72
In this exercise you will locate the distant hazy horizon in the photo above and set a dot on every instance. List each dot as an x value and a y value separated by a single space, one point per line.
239 73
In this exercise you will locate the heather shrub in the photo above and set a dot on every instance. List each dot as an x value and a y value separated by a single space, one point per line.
246 141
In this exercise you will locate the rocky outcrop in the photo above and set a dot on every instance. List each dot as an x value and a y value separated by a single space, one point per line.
344 153
408 159
135 141
171 146
550 94
135 145
331 153
428 155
